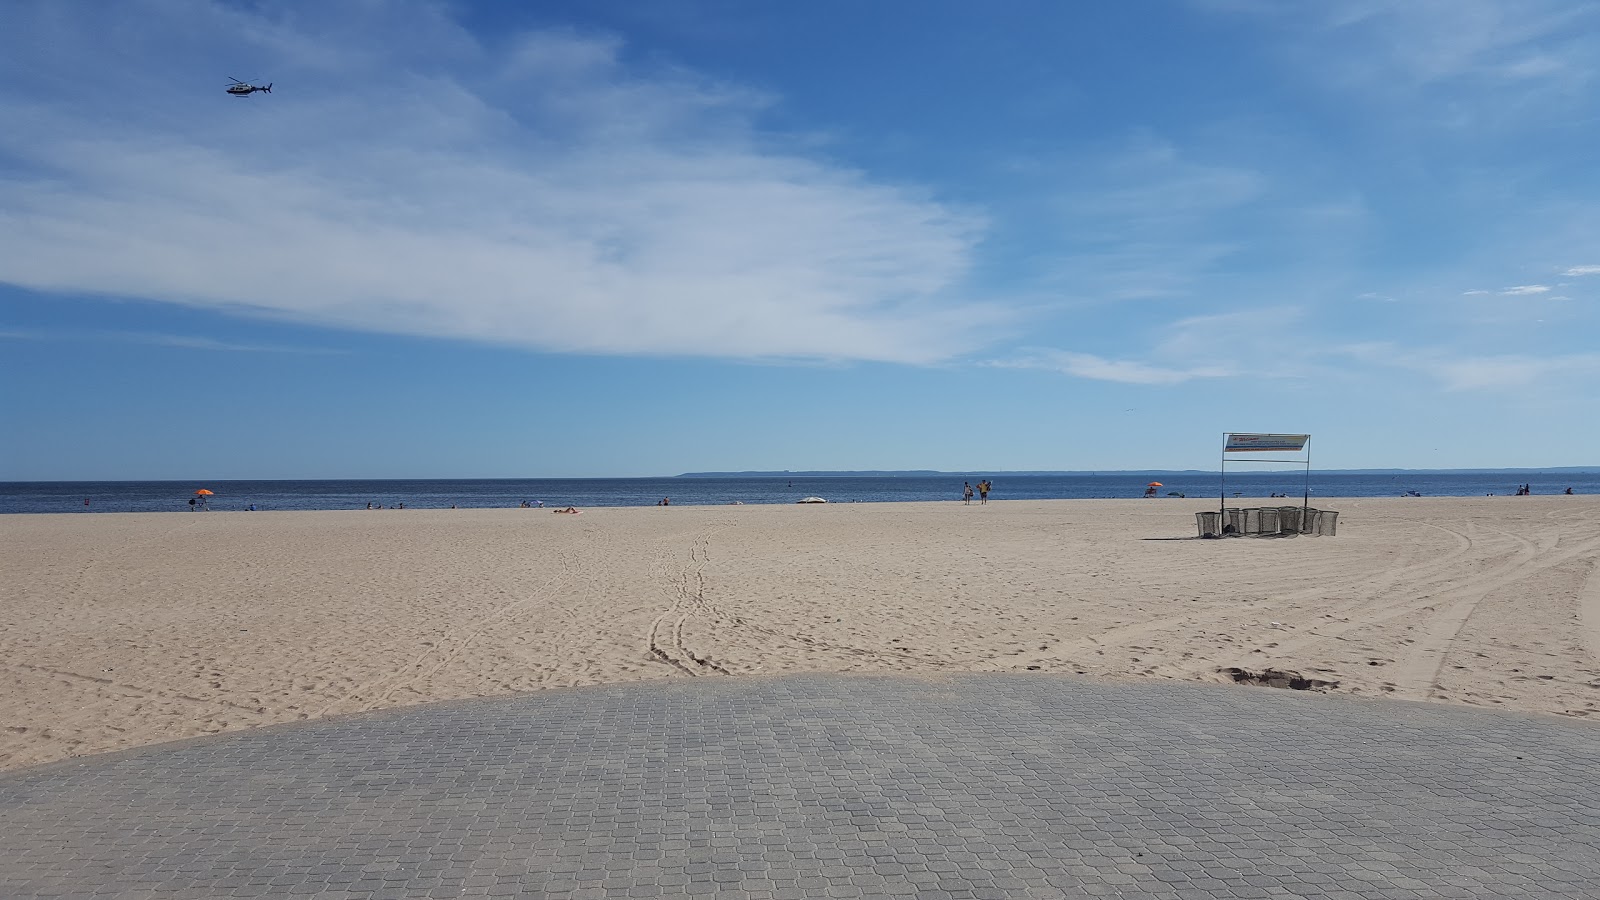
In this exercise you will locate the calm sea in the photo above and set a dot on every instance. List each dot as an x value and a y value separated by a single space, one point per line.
156 496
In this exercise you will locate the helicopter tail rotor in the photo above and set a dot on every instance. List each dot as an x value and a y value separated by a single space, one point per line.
268 88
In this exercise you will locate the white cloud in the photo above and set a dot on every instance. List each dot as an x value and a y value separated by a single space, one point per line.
158 339
1523 290
1465 64
1460 371
1473 293
1247 334
1582 270
1437 40
1138 217
1510 371
196 342
551 196
1098 368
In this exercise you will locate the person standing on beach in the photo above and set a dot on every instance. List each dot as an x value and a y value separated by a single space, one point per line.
966 492
983 492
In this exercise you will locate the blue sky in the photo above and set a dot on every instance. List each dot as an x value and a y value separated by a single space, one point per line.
612 239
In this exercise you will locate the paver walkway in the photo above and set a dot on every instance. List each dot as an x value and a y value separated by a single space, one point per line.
826 786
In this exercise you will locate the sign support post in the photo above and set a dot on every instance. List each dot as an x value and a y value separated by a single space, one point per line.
1242 442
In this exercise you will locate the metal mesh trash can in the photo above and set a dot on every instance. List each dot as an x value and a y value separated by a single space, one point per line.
1268 521
1233 520
1209 523
1288 520
1327 522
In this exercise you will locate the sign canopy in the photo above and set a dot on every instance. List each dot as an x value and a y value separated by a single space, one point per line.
1239 443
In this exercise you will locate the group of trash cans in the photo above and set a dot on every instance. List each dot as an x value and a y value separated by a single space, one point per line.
1267 520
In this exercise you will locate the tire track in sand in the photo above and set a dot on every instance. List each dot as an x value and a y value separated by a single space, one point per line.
688 590
1419 675
1371 589
692 603
1589 610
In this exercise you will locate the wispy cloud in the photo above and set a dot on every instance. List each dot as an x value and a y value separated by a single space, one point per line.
1523 290
1509 371
1577 271
1478 61
158 339
1180 351
550 194
1098 368
1456 371
198 342
1436 40
1139 217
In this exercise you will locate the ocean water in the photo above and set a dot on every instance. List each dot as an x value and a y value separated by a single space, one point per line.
173 496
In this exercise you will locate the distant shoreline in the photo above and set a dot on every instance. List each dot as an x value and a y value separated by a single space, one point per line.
1080 473
825 473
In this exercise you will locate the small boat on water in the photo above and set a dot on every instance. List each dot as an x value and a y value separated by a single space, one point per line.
811 500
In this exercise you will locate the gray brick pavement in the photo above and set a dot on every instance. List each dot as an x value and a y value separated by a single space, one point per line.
827 786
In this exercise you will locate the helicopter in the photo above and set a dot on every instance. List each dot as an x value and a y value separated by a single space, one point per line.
245 89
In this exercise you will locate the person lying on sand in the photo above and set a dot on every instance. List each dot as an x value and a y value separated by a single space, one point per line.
571 509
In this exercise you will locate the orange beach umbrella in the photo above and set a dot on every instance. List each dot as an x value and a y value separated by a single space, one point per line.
1155 484
202 493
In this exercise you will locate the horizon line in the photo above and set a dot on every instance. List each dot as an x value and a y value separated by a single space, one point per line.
831 473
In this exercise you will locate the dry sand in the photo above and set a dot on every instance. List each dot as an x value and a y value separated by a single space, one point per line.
118 630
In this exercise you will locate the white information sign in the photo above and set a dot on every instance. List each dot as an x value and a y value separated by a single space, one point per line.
1238 443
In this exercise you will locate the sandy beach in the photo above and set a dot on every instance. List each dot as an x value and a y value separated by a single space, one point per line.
119 630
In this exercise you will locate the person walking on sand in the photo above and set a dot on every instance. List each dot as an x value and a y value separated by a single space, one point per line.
966 492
